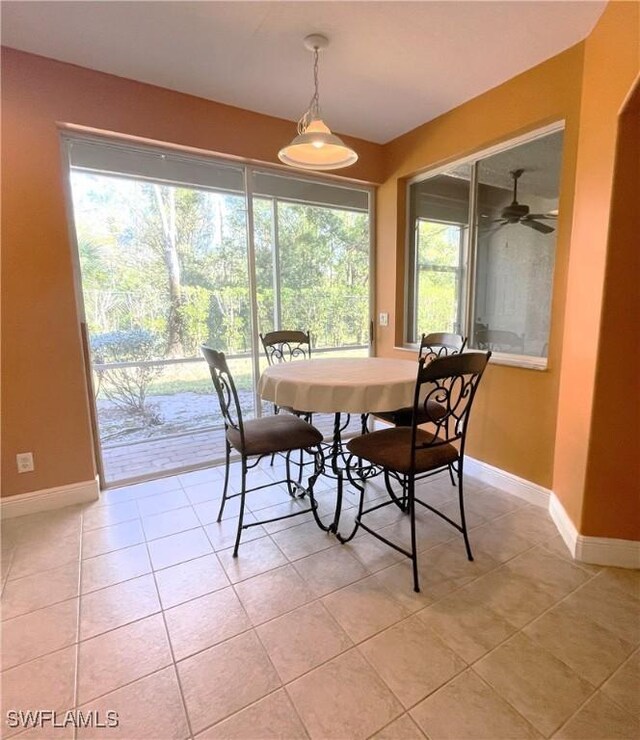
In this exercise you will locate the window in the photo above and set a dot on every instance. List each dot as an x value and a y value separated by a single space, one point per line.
174 251
492 282
439 212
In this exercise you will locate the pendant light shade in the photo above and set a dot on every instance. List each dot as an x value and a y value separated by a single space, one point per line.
315 147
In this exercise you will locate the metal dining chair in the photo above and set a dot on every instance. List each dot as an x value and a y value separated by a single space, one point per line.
285 346
436 344
257 438
410 453
441 344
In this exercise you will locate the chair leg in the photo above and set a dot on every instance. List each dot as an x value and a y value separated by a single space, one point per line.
364 418
409 487
243 492
226 479
401 503
404 495
463 520
276 410
359 486
301 469
290 489
453 480
318 467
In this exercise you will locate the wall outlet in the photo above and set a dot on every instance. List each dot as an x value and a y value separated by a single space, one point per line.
25 462
383 319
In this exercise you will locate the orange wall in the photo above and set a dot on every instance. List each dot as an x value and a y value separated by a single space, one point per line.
612 489
611 65
44 397
513 424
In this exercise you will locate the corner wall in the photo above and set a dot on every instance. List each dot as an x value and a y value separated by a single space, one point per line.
45 407
612 487
596 292
513 423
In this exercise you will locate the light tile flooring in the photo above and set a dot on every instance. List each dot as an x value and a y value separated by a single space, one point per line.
134 604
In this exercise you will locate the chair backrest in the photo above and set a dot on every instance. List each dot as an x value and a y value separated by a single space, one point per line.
441 344
451 383
284 346
499 340
225 388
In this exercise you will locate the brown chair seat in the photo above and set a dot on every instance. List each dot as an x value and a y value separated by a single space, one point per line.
279 433
391 449
404 417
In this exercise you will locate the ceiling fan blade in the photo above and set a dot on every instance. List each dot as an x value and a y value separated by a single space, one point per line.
529 216
542 228
499 221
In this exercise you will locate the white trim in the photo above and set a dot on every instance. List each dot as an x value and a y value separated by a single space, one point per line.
49 498
508 482
526 362
564 525
608 551
489 151
595 550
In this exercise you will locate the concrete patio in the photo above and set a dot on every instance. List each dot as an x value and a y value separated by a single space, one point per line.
152 458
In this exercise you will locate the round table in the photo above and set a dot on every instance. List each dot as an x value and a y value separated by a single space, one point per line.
350 385
340 385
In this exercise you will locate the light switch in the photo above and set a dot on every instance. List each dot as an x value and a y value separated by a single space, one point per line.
383 319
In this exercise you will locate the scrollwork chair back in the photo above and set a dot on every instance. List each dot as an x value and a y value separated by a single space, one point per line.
284 346
225 389
441 344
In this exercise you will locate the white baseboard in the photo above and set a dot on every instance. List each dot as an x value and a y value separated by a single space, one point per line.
566 528
594 550
507 482
608 551
49 498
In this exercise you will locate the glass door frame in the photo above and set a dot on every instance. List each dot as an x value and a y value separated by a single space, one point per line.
70 134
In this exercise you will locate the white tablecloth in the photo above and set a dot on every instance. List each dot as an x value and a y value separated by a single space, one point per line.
351 385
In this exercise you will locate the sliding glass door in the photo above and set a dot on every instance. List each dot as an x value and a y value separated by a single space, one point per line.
170 257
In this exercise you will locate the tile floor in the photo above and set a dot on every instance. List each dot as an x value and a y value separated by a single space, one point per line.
134 604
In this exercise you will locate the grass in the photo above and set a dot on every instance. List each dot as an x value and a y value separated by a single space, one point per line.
195 378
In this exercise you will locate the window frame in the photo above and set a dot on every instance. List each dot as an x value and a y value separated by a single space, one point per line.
70 134
468 267
458 271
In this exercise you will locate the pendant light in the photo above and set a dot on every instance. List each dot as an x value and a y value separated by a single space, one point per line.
315 147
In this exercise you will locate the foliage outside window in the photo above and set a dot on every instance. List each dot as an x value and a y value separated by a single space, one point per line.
173 261
168 262
492 282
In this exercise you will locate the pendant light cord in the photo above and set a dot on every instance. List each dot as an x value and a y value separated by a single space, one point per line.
313 111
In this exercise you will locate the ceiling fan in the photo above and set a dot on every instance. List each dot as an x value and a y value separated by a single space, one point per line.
518 213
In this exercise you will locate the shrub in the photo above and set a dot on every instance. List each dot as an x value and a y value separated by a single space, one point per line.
127 380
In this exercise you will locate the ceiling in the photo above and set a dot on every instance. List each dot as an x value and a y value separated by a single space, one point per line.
540 159
390 66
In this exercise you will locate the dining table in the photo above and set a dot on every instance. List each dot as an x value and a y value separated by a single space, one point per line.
340 386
